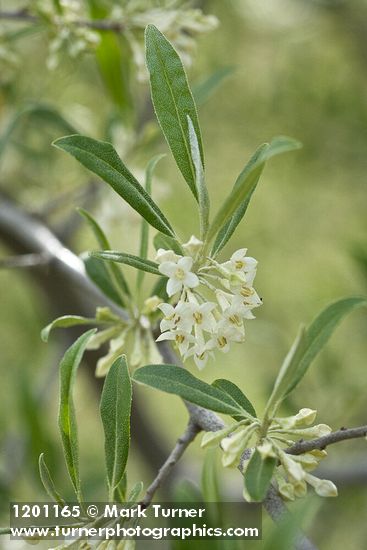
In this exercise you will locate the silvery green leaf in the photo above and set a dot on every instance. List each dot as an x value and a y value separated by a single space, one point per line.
135 491
47 481
258 475
202 192
236 394
173 101
144 236
179 381
246 184
67 321
228 229
101 158
115 411
127 259
307 345
67 420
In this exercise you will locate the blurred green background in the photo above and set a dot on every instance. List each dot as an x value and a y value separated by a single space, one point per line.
300 69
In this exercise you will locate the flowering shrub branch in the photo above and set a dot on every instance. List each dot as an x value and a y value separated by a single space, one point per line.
200 304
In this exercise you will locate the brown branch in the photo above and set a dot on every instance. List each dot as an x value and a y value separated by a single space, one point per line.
320 443
96 24
181 445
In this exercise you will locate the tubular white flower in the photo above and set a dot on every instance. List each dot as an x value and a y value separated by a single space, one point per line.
304 417
294 469
178 317
323 487
224 334
207 325
201 351
179 274
180 337
192 246
163 255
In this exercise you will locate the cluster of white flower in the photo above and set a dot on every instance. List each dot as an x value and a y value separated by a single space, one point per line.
195 323
180 24
292 474
68 34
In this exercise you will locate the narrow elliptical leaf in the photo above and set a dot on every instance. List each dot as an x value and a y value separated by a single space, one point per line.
127 259
307 345
176 380
228 229
236 394
68 321
67 420
101 158
258 475
203 196
246 184
115 411
173 101
144 236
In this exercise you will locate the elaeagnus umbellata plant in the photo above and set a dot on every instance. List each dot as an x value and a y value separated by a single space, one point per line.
200 302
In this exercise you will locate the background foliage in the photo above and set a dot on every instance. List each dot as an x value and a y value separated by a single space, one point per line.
299 69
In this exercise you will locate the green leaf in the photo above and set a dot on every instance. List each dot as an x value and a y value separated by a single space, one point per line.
67 420
144 237
167 243
128 259
47 481
307 345
98 273
203 90
246 184
203 197
67 321
236 394
117 278
173 101
179 381
115 411
101 158
258 475
135 491
228 229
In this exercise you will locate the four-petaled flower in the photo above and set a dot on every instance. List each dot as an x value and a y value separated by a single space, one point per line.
179 274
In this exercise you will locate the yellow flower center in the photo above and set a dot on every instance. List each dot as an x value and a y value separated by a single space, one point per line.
239 264
198 317
245 291
222 342
235 320
180 274
180 338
